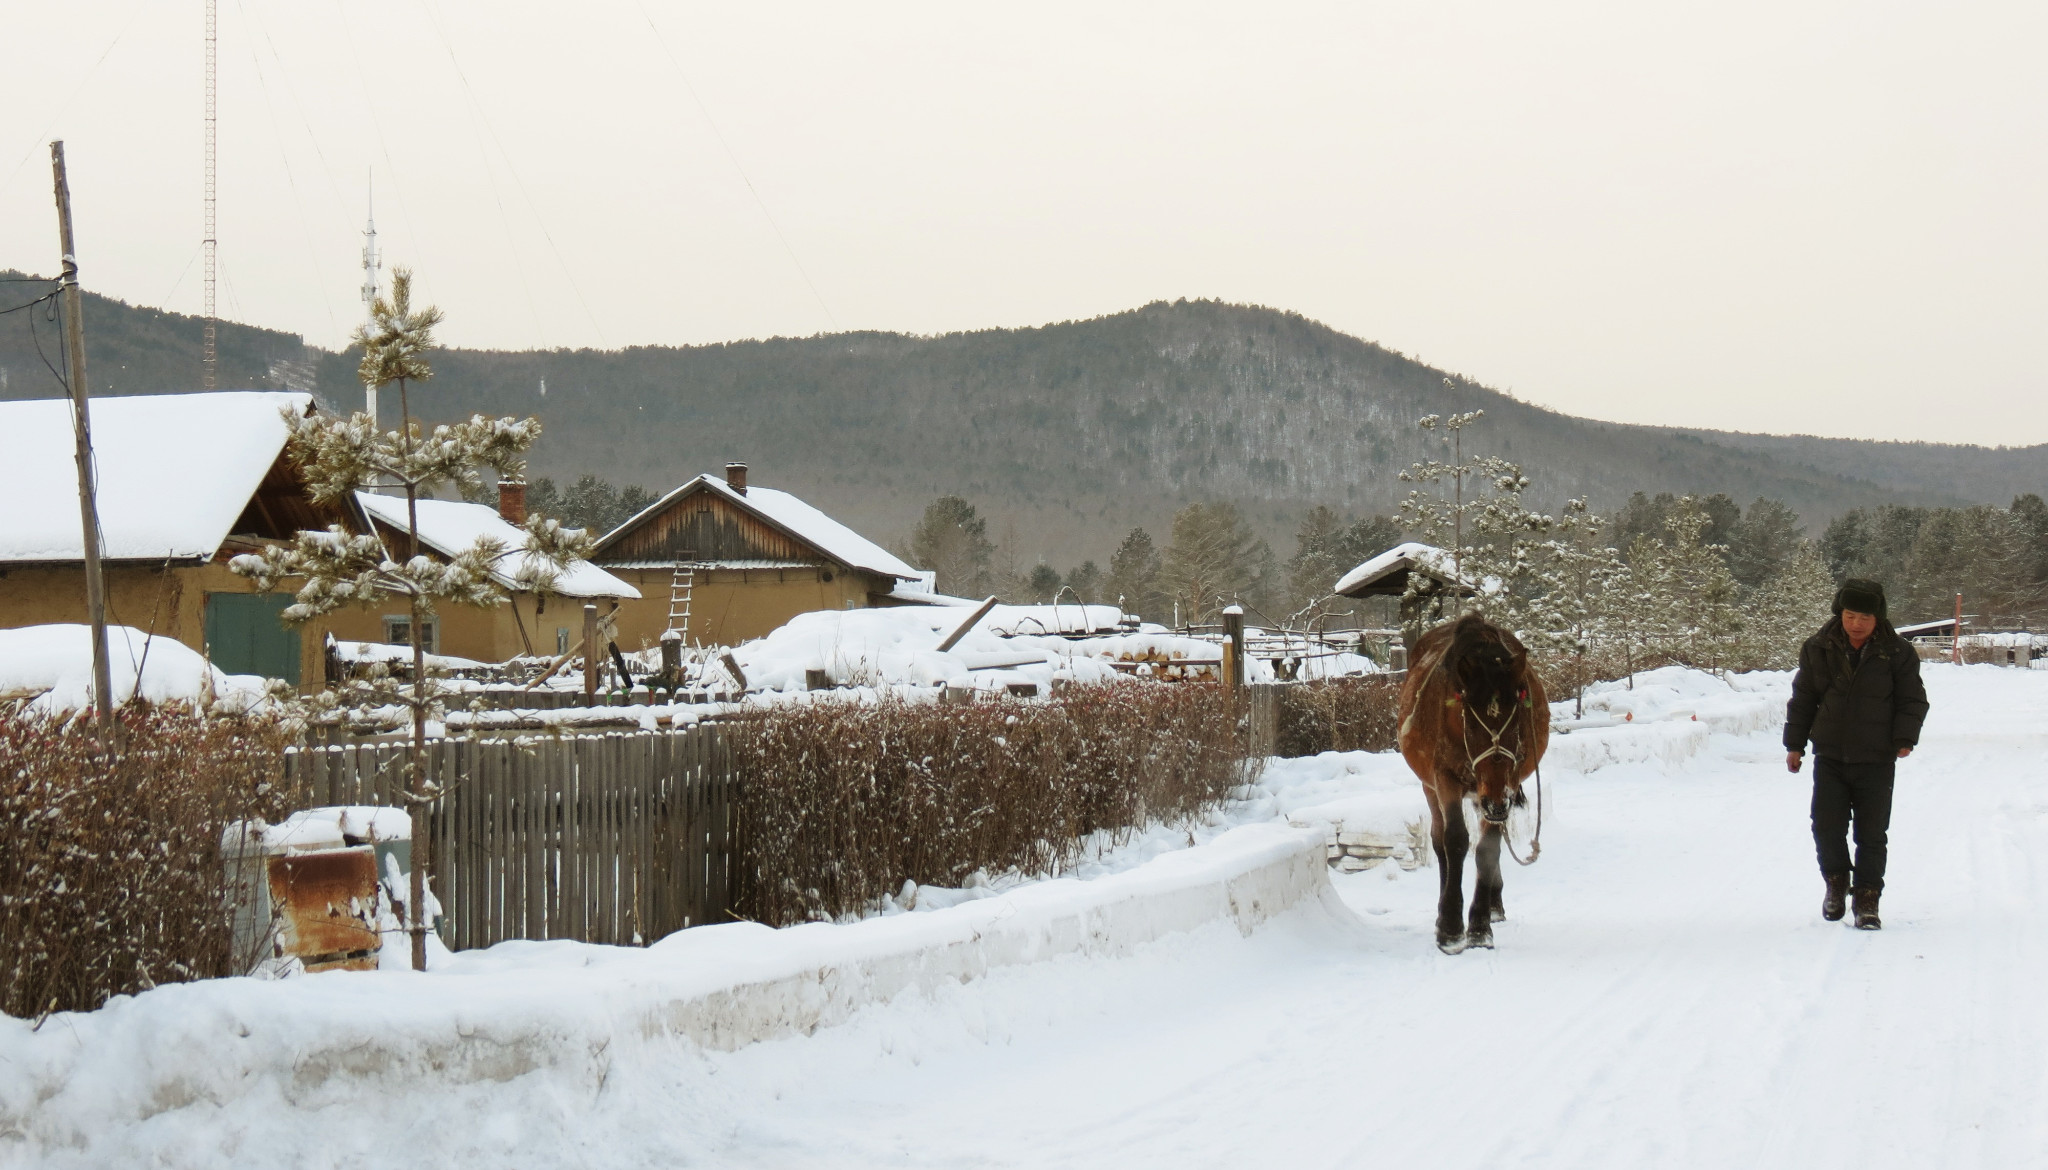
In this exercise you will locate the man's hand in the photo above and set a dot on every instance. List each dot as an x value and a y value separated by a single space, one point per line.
1904 752
1793 759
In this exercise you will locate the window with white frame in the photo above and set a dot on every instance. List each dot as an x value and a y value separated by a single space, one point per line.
398 632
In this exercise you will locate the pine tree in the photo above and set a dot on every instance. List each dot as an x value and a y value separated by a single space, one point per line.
1134 571
1215 560
1472 509
1085 582
339 456
1788 609
1574 588
951 539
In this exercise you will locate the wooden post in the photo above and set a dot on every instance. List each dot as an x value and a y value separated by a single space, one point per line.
980 612
590 652
81 421
1955 644
1233 648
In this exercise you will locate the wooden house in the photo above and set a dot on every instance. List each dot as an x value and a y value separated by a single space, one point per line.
529 623
184 482
724 562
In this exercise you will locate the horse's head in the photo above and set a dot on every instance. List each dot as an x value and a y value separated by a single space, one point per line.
1489 708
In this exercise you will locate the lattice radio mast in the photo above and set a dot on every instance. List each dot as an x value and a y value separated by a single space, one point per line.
209 362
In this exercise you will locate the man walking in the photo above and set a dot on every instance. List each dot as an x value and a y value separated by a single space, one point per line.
1858 697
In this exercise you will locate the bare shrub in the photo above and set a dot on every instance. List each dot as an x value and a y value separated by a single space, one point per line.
844 801
1338 714
111 879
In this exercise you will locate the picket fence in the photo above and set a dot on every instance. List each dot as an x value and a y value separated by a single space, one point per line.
618 838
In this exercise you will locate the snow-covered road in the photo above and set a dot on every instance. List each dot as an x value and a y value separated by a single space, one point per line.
1664 994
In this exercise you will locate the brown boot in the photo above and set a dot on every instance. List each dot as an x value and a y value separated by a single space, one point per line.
1832 903
1866 909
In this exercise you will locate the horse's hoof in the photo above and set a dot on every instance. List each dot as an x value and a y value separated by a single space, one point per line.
1479 938
1497 914
1450 944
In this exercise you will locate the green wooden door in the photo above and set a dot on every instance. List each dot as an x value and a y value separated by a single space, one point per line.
246 634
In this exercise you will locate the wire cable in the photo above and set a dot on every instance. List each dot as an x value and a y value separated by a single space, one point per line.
73 95
433 17
735 161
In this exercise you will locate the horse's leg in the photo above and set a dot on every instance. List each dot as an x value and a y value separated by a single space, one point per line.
1447 832
1486 889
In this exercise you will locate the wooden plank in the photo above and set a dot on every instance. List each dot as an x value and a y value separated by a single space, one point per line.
537 808
519 843
606 856
573 917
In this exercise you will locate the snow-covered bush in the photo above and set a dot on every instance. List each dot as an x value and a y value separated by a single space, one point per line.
846 801
111 879
1339 714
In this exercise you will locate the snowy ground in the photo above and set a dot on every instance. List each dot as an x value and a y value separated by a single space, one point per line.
1664 994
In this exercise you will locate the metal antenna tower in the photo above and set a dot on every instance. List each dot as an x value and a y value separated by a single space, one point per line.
209 364
372 264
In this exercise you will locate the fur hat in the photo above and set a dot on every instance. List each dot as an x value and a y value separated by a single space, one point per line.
1861 595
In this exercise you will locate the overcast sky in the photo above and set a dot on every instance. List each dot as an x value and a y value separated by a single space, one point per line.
1819 217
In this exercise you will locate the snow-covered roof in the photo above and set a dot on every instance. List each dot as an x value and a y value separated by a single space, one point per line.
174 472
793 516
449 526
1404 558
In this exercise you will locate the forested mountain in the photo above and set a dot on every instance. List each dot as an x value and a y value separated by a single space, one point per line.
1072 433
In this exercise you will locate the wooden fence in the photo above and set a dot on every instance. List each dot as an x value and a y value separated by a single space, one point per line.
616 838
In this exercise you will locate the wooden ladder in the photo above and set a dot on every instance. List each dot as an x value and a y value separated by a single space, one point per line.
680 587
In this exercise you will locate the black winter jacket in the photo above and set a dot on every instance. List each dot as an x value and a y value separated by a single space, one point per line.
1856 714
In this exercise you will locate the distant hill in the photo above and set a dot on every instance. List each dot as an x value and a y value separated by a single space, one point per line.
1072 432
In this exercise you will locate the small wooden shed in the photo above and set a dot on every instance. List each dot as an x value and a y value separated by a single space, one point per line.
1387 575
723 562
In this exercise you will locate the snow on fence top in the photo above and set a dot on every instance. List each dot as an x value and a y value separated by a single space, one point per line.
448 527
175 472
798 519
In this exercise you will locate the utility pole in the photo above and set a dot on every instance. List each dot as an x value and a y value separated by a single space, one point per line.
81 426
371 265
209 358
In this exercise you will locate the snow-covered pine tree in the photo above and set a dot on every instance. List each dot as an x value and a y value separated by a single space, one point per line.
1494 541
1681 598
1787 609
339 456
1575 577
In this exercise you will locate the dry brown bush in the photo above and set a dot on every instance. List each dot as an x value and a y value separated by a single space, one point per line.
111 879
1339 714
844 801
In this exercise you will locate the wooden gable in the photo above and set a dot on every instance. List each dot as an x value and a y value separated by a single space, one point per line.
702 526
282 506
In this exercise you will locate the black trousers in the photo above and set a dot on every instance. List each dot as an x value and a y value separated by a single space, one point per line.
1862 791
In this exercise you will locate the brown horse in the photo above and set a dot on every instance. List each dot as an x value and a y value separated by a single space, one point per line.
1474 724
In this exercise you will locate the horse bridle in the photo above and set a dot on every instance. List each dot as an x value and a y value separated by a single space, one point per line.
1514 759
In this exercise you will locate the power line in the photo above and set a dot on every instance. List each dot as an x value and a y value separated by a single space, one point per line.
284 156
735 161
84 81
434 18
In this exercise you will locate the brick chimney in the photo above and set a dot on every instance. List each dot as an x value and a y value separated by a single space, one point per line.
736 477
512 501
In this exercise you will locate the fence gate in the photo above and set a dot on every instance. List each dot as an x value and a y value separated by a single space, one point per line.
617 838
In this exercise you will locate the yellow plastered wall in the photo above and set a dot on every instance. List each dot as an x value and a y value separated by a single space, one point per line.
172 602
728 606
466 631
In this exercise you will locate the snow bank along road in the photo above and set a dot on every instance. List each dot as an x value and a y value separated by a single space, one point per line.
1664 994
